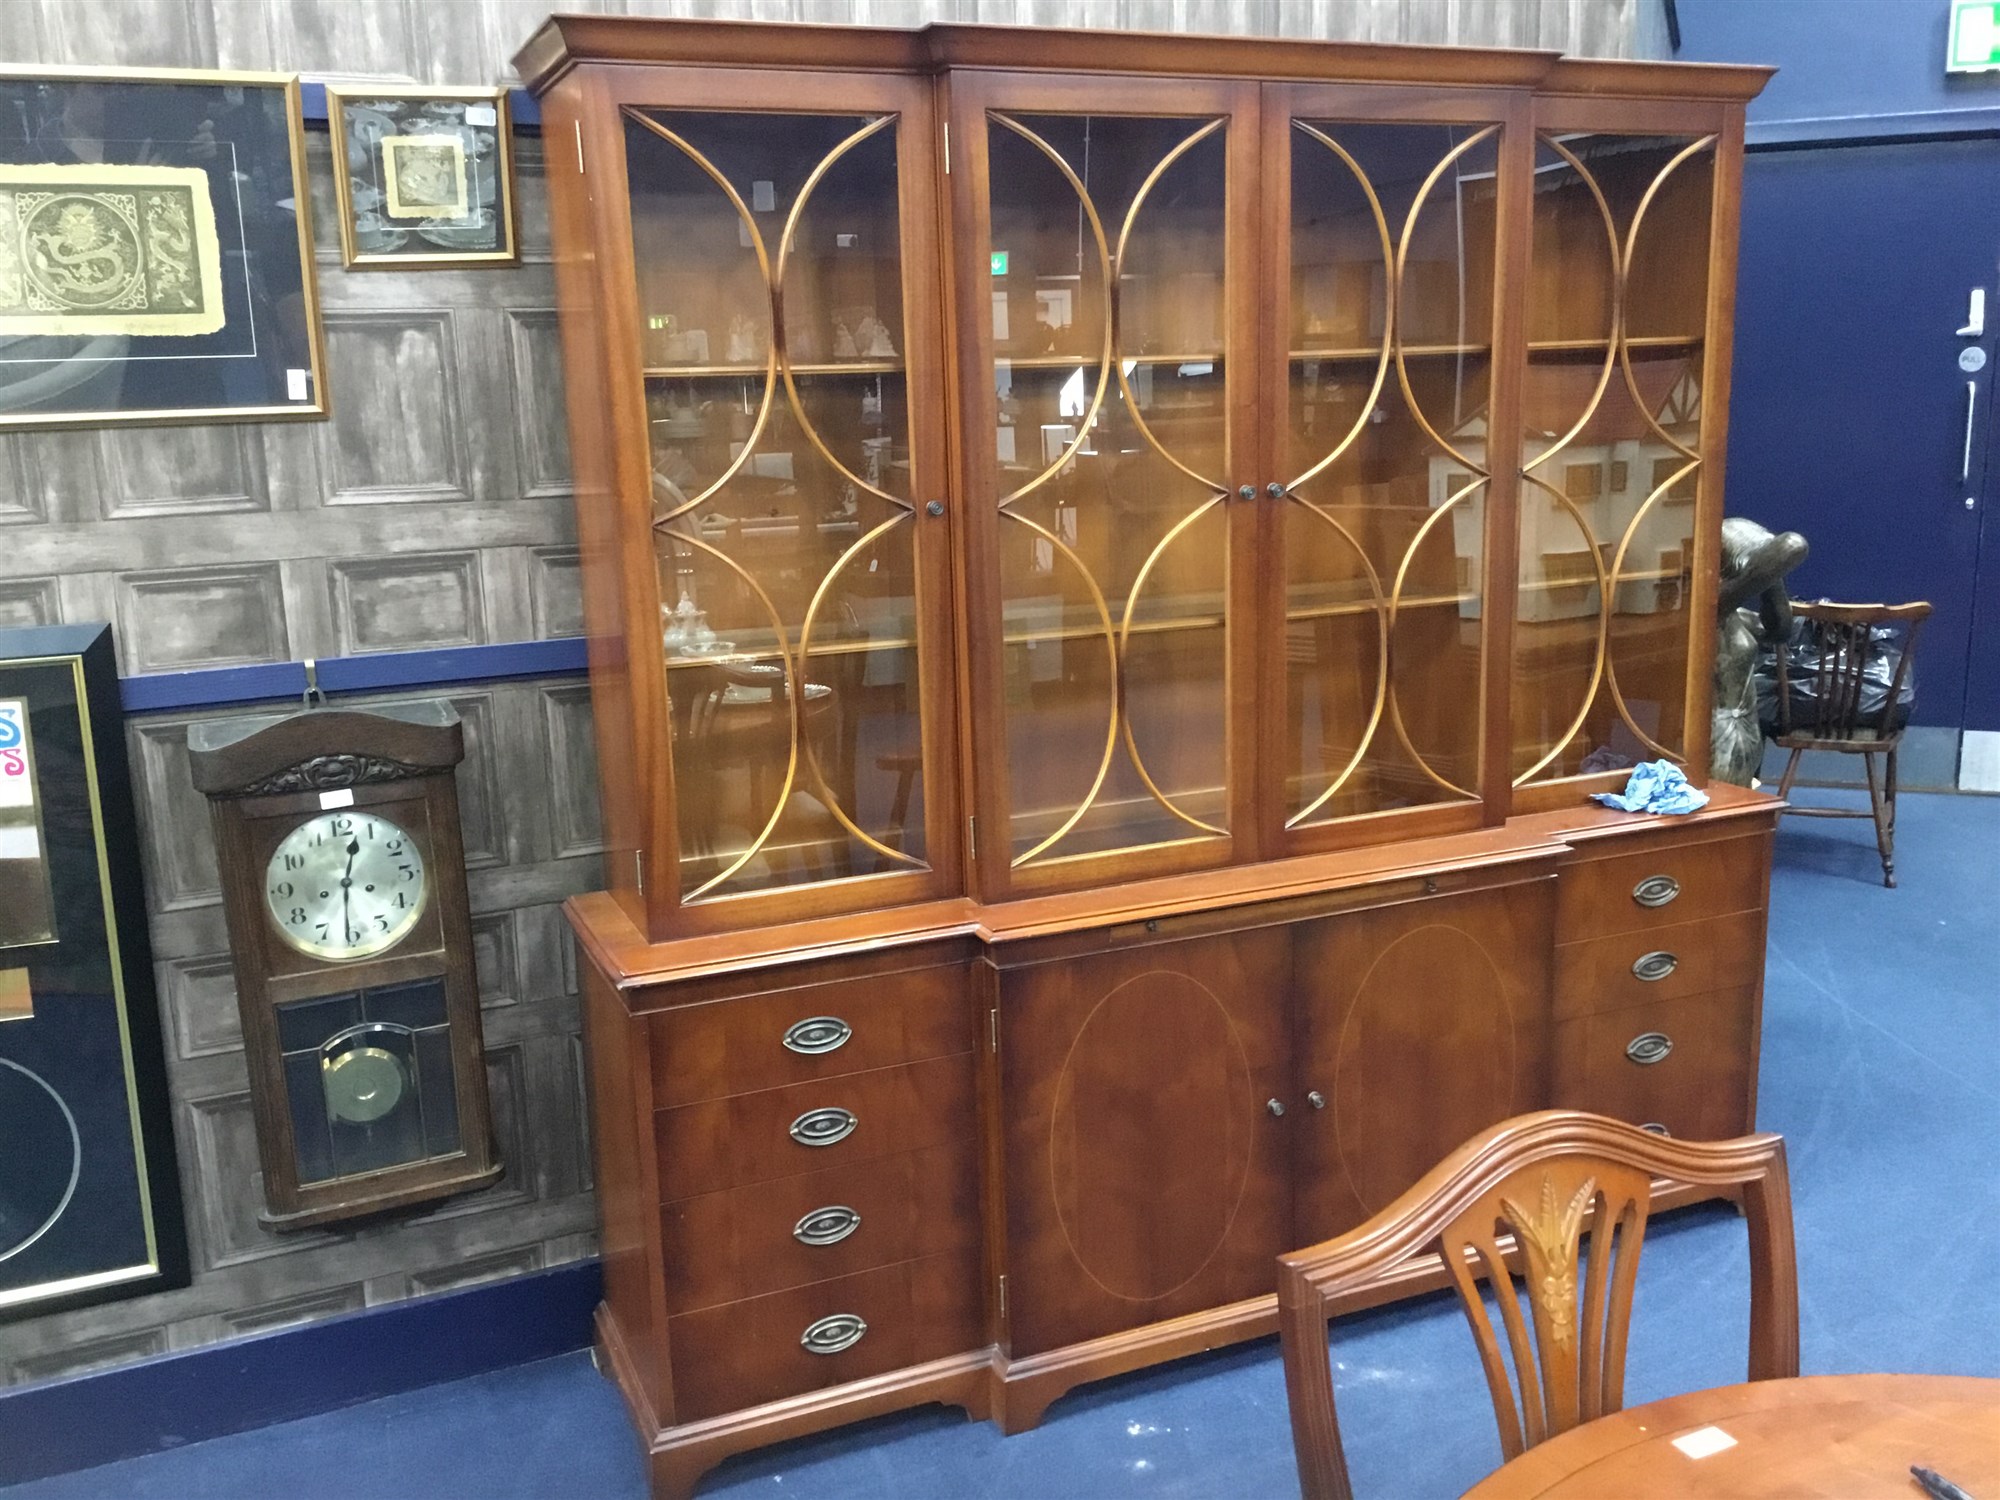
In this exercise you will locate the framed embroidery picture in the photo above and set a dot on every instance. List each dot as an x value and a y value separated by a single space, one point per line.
155 249
423 178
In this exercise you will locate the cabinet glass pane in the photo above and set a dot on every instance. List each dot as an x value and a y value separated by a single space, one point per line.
1390 370
1612 456
770 291
1107 323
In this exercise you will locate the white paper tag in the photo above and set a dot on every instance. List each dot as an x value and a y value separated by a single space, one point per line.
17 842
1704 1442
295 384
342 798
481 114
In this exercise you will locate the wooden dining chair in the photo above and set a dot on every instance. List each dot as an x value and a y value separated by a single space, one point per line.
1543 1179
1848 639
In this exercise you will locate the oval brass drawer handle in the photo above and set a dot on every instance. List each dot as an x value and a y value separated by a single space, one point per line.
1654 1127
826 1226
822 1127
832 1333
1649 1047
1656 890
817 1034
1654 966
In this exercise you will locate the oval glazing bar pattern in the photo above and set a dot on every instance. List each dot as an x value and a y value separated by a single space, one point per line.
1392 263
770 277
1612 405
1111 448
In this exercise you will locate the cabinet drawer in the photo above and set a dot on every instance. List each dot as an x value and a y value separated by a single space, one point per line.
725 1143
1660 887
1698 1084
745 1353
766 1041
722 1247
1687 958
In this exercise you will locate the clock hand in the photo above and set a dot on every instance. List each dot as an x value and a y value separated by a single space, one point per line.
347 891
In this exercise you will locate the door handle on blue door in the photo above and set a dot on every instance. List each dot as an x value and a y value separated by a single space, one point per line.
1965 464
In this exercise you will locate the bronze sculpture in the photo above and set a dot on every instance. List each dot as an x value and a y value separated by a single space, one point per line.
1754 564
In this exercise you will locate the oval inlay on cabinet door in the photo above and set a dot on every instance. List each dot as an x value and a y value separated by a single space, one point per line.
1433 1007
1148 1168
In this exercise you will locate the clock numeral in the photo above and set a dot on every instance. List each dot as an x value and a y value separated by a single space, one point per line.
393 846
402 900
408 872
296 861
282 889
343 825
382 924
298 915
371 830
322 931
353 937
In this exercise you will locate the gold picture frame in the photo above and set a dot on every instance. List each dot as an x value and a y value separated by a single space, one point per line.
245 131
423 177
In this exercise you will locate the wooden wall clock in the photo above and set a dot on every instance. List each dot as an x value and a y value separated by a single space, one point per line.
343 875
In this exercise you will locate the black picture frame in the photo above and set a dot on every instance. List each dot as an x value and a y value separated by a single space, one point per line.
81 1050
156 259
465 219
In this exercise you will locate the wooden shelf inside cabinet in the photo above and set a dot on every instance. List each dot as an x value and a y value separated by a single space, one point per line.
751 372
1072 361
1368 355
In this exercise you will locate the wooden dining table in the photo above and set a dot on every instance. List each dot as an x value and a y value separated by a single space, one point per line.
1822 1437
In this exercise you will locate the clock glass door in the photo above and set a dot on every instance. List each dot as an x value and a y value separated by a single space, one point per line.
792 405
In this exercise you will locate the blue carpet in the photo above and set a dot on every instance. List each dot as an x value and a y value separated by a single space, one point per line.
1880 1031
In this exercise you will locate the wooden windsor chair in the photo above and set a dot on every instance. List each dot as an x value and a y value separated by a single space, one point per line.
1848 639
1545 1179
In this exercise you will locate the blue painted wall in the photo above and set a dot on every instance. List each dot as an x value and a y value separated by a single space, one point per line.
1843 62
1852 73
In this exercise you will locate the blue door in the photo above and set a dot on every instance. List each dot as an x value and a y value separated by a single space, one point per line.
1862 416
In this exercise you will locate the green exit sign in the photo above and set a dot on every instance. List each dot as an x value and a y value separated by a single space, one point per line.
999 262
1974 45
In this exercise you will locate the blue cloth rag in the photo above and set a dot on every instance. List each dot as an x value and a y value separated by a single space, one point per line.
1656 786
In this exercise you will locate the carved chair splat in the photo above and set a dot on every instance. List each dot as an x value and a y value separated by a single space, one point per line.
1543 1179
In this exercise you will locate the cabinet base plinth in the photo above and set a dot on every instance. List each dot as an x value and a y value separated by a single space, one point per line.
677 1457
1025 1388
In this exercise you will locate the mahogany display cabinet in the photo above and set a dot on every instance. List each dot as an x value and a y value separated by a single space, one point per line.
1112 563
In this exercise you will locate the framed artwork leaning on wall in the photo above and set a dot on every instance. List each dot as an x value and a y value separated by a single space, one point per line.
155 249
423 178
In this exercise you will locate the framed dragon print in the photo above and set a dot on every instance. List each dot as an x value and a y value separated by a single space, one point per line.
155 249
423 178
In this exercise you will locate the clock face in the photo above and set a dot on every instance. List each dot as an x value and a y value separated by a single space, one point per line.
346 885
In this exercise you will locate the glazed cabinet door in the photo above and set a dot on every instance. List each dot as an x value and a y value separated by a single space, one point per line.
1105 288
1391 263
1621 425
1417 1025
1147 1175
790 554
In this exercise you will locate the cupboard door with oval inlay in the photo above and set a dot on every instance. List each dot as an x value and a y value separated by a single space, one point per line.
1146 1174
1418 1025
